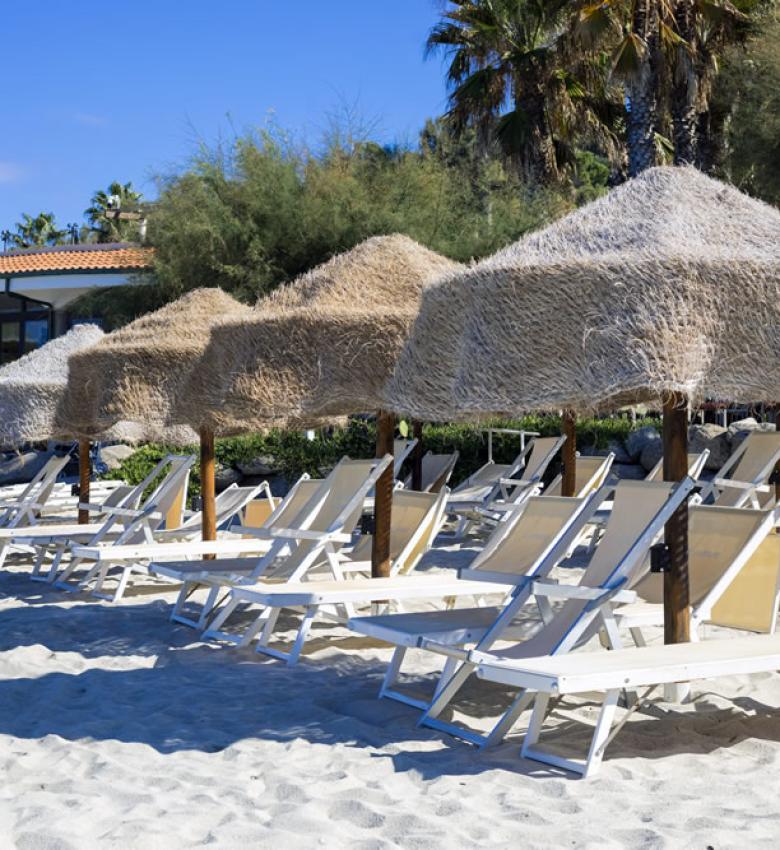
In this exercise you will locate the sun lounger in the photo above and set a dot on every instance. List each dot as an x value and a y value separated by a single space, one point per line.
311 539
591 472
401 451
128 559
495 485
533 540
640 511
696 462
609 673
743 479
416 519
122 523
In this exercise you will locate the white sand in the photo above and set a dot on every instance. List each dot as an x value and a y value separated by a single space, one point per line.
120 730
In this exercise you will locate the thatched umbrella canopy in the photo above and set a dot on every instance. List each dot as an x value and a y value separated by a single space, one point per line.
667 288
318 348
669 284
136 374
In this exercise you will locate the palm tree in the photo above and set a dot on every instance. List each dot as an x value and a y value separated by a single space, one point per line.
36 232
512 79
112 229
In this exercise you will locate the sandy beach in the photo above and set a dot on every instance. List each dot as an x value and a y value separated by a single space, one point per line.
121 730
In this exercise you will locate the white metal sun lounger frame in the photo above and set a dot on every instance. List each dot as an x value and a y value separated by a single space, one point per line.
506 492
596 615
334 599
516 587
129 523
546 678
178 542
281 539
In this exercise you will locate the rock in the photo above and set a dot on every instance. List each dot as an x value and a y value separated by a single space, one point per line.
113 456
740 430
259 467
619 450
224 476
21 468
712 437
628 471
638 440
651 454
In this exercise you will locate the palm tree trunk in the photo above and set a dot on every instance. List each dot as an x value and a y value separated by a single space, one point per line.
685 87
537 158
642 92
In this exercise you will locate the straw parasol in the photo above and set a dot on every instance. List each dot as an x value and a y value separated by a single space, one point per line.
318 348
666 289
136 373
32 390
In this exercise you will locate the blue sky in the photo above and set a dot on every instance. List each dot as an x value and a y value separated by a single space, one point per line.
95 92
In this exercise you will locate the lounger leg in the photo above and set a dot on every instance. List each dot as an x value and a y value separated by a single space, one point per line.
3 554
446 674
541 701
303 633
38 564
508 719
51 576
447 692
62 582
393 669
177 615
122 586
601 733
637 636
214 629
208 606
265 624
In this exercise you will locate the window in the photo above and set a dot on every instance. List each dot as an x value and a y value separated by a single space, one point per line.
24 326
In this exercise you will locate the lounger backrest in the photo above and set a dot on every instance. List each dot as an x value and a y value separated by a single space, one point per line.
37 492
515 547
591 473
347 485
696 463
436 471
619 555
414 522
227 504
724 545
543 450
761 452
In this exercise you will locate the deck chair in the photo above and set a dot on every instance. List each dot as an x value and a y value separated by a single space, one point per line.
24 508
609 673
138 512
401 451
639 513
128 558
310 538
744 478
436 471
733 571
528 546
494 485
416 519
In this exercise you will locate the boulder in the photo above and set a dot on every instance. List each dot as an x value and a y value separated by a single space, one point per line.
113 456
224 476
21 468
259 467
628 471
619 450
740 430
651 454
712 437
637 441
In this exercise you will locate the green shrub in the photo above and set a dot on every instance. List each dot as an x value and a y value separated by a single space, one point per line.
294 454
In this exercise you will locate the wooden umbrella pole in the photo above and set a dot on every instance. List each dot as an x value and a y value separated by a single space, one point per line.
417 457
569 453
85 473
383 498
677 615
207 486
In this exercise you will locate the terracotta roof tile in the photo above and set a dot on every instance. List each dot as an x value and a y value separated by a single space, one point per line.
65 258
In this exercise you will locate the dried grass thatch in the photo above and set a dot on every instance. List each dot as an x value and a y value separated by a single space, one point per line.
671 283
33 387
137 373
313 364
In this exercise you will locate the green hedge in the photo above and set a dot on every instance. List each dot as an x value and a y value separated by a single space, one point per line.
294 454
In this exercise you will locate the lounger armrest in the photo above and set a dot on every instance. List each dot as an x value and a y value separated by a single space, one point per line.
574 591
443 649
741 485
517 482
297 534
126 512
